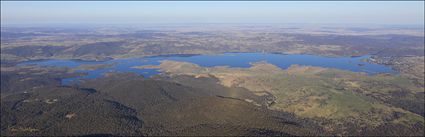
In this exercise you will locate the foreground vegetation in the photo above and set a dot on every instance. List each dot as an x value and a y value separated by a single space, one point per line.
345 98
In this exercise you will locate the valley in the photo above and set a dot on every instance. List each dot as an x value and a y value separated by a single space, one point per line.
222 80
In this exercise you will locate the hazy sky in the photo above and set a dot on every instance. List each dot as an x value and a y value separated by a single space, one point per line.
213 12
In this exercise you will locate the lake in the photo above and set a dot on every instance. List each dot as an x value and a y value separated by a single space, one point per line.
227 59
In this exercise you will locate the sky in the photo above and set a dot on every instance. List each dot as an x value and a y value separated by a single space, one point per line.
110 12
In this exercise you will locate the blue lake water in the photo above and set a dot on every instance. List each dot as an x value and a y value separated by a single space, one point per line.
227 59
